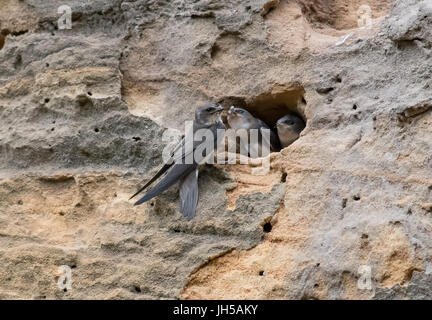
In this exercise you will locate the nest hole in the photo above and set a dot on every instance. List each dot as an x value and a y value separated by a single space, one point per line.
270 107
137 289
273 105
267 227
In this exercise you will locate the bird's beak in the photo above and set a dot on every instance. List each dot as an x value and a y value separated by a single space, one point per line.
219 109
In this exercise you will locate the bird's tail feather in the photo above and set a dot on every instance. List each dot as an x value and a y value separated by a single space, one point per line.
177 172
189 195
157 175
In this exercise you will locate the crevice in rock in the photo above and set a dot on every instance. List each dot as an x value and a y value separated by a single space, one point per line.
414 111
208 261
268 6
325 91
6 32
3 34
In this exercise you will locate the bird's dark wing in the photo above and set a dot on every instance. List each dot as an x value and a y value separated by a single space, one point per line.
274 139
155 177
274 142
162 170
177 172
179 168
189 194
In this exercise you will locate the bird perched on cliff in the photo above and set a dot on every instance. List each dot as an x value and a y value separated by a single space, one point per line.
289 128
239 118
178 169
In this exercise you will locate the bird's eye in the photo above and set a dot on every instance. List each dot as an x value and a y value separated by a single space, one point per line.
209 109
240 111
290 123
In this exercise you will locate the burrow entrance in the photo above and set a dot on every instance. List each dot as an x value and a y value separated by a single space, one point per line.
271 106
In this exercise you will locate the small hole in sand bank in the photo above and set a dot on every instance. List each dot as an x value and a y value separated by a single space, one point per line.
89 93
267 227
261 273
324 91
47 100
20 202
137 289
356 197
283 178
355 107
96 130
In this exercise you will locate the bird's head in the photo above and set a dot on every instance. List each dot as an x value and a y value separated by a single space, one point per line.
209 113
239 118
290 122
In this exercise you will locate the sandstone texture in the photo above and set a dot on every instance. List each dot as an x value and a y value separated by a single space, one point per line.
83 111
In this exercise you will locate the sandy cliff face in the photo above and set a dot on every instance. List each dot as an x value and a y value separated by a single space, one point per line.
82 112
